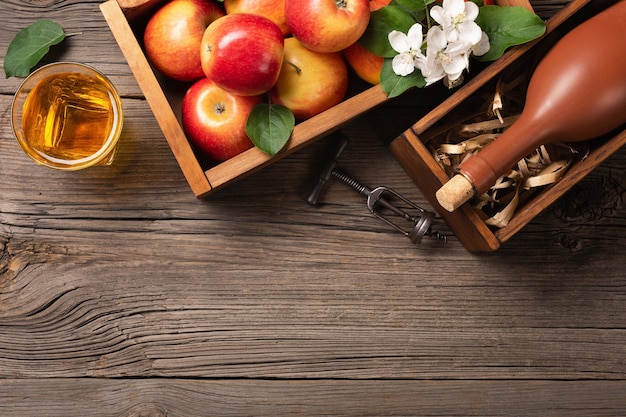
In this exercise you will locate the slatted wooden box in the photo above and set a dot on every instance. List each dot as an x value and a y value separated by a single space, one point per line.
412 150
125 17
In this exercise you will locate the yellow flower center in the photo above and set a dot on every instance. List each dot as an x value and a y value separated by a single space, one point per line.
458 19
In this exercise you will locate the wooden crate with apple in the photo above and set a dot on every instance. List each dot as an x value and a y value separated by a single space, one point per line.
127 19
416 149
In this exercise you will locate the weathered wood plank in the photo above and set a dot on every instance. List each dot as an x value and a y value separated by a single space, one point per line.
176 397
109 303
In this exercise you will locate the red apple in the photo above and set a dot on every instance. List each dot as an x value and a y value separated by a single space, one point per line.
363 62
366 64
327 25
242 53
214 120
309 82
274 10
173 34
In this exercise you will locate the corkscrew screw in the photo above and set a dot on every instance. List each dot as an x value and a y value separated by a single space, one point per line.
414 222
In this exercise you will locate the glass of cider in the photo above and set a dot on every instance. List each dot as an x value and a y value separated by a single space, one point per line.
67 116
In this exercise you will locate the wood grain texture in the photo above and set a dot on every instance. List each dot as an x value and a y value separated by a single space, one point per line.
121 294
181 398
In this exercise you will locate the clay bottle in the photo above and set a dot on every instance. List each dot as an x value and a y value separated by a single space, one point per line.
577 93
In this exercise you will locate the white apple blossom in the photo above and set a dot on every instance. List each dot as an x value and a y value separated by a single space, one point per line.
457 19
443 51
482 47
443 58
448 45
409 50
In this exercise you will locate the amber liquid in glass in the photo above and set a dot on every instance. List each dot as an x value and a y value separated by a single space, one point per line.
69 116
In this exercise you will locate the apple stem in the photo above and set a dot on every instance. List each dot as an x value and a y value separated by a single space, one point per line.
297 68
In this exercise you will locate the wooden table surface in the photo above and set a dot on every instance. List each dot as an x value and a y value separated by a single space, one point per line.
121 294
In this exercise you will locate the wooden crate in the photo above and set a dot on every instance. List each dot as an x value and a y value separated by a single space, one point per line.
125 18
411 147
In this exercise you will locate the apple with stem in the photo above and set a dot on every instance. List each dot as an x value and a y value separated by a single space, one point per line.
327 25
309 82
274 10
214 120
173 34
242 53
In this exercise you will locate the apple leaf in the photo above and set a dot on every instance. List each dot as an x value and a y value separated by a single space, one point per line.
269 127
382 22
394 84
418 8
506 27
30 45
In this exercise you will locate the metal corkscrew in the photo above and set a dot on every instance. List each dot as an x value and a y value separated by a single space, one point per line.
416 220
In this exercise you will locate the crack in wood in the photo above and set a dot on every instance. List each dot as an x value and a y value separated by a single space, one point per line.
591 200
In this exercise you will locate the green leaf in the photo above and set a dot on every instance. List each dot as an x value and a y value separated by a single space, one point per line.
394 84
269 127
30 45
506 27
382 22
417 8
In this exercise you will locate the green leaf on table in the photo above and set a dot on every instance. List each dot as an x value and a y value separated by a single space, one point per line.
394 84
506 27
382 22
30 45
269 127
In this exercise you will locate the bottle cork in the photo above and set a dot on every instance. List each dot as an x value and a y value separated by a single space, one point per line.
456 192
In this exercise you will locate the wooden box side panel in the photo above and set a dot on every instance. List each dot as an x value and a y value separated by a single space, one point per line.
576 173
421 167
120 27
303 134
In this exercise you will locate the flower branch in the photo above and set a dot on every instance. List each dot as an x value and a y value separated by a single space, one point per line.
425 41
